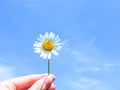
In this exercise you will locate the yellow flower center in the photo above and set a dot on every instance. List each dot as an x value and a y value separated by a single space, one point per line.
48 45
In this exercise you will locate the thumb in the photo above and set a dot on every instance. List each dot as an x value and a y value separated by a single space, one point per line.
43 84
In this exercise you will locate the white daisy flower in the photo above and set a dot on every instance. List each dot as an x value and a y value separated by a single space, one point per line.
47 45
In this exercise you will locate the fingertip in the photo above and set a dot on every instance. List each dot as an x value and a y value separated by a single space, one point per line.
52 87
48 82
53 77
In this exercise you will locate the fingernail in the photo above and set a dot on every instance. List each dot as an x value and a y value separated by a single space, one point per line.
47 81
43 87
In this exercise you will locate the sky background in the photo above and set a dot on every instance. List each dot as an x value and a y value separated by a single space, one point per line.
89 30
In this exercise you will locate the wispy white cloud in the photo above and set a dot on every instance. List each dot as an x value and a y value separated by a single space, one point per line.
87 57
87 64
6 72
87 69
83 83
104 67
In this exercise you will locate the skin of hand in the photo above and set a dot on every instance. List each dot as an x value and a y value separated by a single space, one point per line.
30 82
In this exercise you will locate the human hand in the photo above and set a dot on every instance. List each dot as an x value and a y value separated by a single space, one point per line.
31 82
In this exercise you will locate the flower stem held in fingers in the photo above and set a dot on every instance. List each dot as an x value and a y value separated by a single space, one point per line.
48 67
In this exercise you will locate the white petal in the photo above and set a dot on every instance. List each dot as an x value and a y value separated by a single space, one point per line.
52 35
58 44
42 54
54 52
36 44
58 48
57 39
37 50
49 55
45 56
41 36
46 35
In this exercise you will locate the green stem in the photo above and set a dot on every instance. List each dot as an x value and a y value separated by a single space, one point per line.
48 67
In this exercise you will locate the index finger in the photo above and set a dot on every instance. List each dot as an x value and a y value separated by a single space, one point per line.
26 81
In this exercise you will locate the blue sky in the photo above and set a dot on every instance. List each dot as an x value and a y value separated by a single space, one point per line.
89 29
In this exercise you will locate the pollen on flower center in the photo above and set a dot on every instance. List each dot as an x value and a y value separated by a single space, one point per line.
48 45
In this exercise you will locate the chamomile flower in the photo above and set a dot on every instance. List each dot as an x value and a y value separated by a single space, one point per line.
47 44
